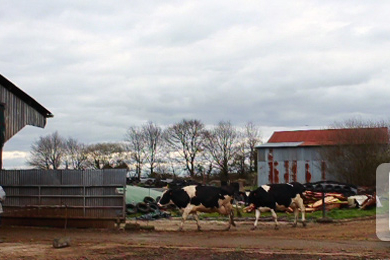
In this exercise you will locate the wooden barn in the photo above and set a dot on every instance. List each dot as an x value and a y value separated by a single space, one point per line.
297 155
17 109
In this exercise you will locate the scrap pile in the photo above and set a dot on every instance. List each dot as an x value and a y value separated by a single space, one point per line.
337 195
313 201
364 201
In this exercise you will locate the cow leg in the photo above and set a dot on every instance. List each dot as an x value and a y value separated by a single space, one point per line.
227 210
296 214
258 213
229 223
197 220
184 217
303 211
232 218
275 219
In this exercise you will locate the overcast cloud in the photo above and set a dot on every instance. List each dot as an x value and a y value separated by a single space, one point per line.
102 66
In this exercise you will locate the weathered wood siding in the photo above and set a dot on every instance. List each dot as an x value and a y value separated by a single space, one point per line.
18 114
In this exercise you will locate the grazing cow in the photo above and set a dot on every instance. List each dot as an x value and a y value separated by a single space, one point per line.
273 197
198 198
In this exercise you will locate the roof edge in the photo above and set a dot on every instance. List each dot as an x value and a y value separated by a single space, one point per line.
279 145
326 137
25 97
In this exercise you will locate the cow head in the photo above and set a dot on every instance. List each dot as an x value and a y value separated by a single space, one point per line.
251 202
166 198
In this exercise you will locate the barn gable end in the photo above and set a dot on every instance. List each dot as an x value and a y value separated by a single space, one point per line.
19 109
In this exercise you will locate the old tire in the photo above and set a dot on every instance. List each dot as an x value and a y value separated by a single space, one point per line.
319 188
149 200
131 209
143 207
329 188
153 207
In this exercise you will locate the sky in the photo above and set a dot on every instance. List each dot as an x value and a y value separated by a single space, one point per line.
103 66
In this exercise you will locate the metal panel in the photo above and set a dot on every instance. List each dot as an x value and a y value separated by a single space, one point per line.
59 194
304 165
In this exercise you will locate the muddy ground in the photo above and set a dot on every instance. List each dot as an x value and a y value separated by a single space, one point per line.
343 240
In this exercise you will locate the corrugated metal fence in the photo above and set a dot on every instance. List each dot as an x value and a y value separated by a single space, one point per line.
64 197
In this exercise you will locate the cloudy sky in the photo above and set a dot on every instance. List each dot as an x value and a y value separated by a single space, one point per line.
102 66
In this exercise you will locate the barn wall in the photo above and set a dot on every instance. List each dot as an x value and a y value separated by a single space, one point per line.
18 114
283 165
53 196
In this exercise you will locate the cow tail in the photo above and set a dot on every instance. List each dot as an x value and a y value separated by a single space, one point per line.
301 193
299 188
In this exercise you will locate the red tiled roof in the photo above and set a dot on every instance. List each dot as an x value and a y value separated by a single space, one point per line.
332 136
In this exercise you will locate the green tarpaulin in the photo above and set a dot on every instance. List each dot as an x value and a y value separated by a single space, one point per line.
135 194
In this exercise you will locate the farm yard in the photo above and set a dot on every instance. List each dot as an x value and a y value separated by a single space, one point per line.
96 195
344 239
194 130
352 235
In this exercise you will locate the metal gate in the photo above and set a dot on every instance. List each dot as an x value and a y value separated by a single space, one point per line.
91 198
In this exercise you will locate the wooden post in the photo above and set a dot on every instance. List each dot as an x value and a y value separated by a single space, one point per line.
323 205
324 219
1 158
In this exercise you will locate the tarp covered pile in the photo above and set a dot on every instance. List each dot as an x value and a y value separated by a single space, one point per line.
144 201
136 194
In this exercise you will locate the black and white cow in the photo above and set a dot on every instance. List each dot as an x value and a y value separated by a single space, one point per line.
198 198
273 197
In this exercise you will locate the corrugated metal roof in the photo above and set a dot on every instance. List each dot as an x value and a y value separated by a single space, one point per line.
330 136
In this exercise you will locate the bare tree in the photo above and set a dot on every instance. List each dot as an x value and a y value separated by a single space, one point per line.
75 154
240 161
221 144
253 138
172 162
153 138
187 138
136 146
357 150
47 153
245 160
103 155
206 166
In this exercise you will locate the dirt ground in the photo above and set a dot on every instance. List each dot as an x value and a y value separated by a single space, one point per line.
345 240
